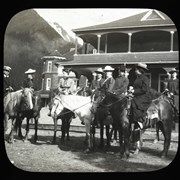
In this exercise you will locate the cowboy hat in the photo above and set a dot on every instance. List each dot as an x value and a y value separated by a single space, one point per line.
99 71
173 70
30 71
7 68
108 68
142 65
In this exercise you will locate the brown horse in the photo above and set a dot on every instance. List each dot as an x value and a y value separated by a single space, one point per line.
29 114
162 110
118 108
13 102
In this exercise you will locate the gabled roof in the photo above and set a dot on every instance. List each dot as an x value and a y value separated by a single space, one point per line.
148 18
54 55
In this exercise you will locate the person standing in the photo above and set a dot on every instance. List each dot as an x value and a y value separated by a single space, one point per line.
29 81
6 81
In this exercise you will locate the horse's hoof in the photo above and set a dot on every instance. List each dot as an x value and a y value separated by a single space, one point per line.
25 140
163 155
87 150
136 151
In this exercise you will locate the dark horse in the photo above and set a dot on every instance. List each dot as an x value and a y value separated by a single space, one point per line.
162 109
29 114
119 112
66 117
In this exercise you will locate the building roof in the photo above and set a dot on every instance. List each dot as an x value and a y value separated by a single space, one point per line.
54 55
145 19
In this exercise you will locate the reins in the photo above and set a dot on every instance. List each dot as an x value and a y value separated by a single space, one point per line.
73 110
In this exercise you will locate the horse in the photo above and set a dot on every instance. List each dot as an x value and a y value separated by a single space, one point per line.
82 106
118 108
29 114
66 117
162 110
13 103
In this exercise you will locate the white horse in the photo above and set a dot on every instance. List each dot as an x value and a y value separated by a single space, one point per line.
82 106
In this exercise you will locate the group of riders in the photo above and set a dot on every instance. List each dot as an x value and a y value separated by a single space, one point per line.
114 81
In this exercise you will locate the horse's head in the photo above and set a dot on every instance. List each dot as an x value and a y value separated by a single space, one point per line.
57 106
26 100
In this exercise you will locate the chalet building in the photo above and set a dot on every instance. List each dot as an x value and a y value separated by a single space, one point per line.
149 37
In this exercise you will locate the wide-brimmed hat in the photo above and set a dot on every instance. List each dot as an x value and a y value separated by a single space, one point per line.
7 68
66 70
108 68
142 65
173 70
122 68
99 71
30 71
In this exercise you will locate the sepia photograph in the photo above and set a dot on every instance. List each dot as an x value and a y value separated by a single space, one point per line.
91 90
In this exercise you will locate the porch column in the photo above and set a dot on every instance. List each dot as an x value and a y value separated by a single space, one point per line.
75 45
105 50
98 45
172 36
129 45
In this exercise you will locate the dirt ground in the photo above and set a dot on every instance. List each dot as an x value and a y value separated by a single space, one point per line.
44 156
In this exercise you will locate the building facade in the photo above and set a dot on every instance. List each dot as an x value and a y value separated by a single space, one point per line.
149 37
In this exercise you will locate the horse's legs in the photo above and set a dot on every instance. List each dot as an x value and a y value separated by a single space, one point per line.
108 135
63 129
157 132
6 118
27 130
88 136
101 145
55 129
11 135
68 127
126 135
19 124
36 128
166 130
121 140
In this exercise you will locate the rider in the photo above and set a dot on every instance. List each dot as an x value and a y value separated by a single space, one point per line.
7 82
173 88
121 83
28 82
142 97
109 81
66 84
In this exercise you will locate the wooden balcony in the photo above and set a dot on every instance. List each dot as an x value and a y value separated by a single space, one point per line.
163 57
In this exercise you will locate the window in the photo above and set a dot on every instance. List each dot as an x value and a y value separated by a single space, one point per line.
162 82
48 84
49 66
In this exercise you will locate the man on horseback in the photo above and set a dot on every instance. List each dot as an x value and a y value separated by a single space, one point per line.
7 82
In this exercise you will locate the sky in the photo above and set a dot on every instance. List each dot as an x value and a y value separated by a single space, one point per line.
76 18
